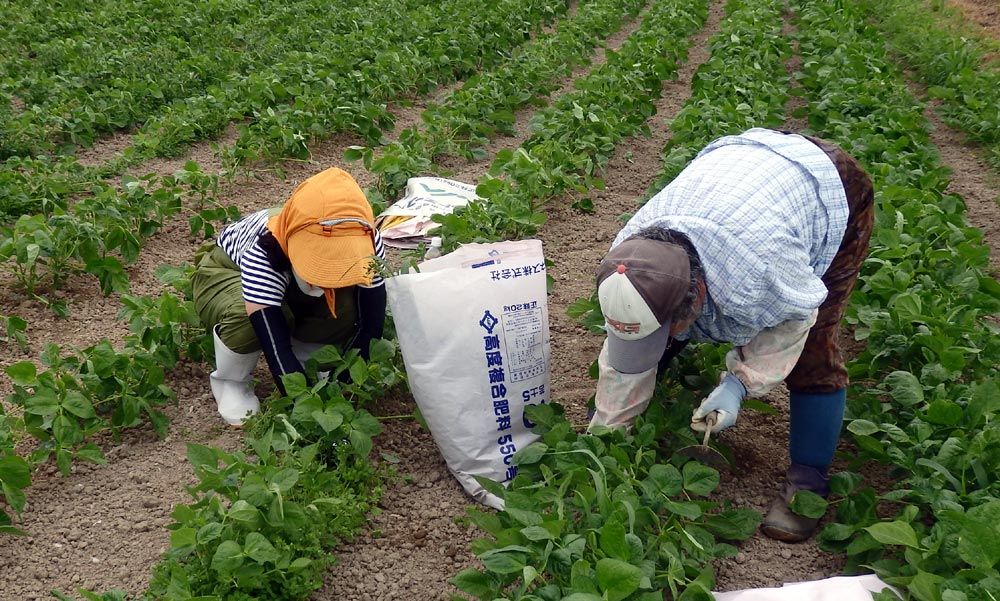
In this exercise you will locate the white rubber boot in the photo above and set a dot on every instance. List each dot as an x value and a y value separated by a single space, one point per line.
231 384
304 350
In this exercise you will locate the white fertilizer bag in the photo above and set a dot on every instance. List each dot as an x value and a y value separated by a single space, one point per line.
473 327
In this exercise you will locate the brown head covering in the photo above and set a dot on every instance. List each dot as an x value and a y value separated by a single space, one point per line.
640 284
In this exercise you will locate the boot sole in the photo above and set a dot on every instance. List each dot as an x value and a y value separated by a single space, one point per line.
784 535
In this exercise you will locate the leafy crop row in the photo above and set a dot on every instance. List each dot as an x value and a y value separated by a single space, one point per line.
309 87
613 516
743 84
459 38
76 85
260 522
572 139
592 517
56 240
927 397
952 65
465 119
101 234
83 393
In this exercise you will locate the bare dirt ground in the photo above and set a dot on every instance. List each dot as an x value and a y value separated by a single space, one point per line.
102 527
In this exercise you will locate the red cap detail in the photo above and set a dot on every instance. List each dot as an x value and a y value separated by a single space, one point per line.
621 269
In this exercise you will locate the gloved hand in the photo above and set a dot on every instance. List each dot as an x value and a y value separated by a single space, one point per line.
725 400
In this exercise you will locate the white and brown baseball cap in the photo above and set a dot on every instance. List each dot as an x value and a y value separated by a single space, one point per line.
640 283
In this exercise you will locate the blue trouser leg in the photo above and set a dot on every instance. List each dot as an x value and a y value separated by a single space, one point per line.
814 427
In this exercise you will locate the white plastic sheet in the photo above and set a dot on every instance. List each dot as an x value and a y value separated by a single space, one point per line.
474 335
838 588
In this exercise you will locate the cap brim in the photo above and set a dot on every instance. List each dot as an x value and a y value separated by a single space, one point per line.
637 355
336 262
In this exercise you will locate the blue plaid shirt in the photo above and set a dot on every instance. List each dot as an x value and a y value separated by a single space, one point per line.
766 212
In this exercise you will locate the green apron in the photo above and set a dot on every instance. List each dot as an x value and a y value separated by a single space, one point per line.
218 298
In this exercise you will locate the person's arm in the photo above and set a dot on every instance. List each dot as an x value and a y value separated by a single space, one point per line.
620 397
275 340
371 317
770 356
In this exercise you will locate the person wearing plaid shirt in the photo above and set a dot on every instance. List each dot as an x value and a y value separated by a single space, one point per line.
758 243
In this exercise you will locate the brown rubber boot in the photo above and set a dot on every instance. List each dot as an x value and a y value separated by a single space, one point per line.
783 524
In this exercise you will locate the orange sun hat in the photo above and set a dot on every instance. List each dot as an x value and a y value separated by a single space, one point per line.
325 230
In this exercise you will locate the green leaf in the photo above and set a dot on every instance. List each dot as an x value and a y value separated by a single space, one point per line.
227 557
92 453
666 479
284 480
201 457
979 538
183 538
685 509
329 419
209 532
843 483
15 471
353 153
835 531
64 460
808 504
22 373
524 516
985 400
259 549
926 586
361 442
862 427
905 388
44 402
735 525
695 592
618 579
944 413
473 582
582 577
503 561
937 467
894 533
530 454
699 479
14 497
244 512
536 533
613 540
78 405
66 431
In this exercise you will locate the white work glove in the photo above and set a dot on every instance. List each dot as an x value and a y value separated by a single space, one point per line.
620 397
724 401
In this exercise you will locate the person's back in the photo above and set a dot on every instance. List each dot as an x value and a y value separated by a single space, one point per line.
756 208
